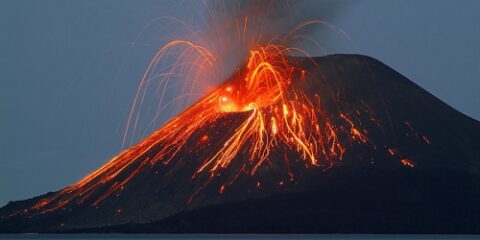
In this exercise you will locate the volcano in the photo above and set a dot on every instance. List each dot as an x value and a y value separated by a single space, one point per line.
344 145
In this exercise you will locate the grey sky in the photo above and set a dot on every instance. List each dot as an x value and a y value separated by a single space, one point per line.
68 72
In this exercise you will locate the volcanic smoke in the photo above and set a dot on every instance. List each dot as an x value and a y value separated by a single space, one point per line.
278 114
269 139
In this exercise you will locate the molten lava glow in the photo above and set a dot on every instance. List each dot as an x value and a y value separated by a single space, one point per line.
275 114
408 163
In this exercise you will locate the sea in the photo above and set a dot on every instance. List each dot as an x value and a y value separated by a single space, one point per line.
232 236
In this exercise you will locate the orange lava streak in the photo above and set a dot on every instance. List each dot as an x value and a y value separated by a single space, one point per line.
278 115
408 163
268 86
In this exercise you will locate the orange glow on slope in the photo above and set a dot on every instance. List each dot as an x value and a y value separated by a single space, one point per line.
204 138
278 115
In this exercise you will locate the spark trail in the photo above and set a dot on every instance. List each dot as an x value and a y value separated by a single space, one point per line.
279 116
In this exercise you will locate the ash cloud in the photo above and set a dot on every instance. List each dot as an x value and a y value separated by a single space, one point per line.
229 30
234 27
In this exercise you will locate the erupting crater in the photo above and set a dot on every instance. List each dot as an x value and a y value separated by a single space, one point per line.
280 124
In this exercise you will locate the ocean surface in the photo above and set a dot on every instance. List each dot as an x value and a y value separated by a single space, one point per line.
231 236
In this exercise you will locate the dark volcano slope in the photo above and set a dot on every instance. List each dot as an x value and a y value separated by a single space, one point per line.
369 191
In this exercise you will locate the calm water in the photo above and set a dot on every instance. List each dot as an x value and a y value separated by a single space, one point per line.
223 236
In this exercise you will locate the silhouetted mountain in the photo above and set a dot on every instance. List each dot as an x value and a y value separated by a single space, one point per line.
419 172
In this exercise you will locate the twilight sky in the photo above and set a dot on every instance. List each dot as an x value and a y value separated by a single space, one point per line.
69 69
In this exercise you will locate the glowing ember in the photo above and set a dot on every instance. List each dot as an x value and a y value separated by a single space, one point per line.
426 140
407 163
276 114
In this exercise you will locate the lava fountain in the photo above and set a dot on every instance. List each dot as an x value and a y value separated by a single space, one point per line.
278 116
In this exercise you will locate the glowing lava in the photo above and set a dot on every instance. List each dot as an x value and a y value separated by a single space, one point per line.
278 116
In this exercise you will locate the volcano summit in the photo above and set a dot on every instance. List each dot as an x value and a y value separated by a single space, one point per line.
335 144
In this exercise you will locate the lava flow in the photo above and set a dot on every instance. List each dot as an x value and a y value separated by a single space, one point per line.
278 115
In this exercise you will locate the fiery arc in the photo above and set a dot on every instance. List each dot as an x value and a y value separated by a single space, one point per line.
278 116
